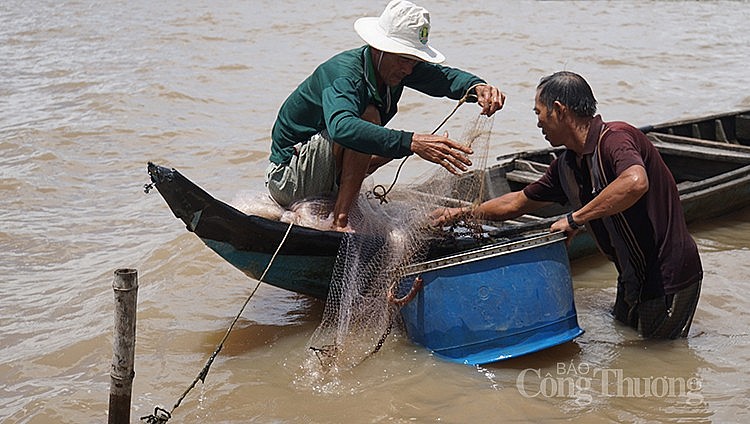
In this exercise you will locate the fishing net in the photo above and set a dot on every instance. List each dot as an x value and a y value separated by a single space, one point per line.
358 314
311 212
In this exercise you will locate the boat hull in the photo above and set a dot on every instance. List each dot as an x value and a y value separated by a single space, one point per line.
713 176
495 303
304 274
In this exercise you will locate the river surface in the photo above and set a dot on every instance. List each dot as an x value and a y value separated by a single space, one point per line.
90 91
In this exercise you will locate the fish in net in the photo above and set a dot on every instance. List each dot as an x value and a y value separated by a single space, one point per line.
358 314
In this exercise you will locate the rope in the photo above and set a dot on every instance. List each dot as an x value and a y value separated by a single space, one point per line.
398 302
379 191
160 415
384 336
415 288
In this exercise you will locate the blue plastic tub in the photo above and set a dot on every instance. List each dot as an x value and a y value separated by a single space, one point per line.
494 303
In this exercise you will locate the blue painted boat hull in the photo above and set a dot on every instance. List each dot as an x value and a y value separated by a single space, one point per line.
509 301
308 275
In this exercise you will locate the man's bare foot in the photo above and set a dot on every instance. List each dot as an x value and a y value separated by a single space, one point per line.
346 229
341 223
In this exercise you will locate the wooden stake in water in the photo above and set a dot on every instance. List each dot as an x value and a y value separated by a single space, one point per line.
125 286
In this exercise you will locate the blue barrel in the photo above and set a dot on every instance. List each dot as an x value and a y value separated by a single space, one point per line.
495 302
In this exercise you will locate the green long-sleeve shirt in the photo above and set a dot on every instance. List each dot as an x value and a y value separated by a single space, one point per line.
335 96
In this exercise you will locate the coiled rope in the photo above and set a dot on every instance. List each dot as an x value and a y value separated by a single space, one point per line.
161 415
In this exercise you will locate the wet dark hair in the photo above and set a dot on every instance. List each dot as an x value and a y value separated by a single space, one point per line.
569 89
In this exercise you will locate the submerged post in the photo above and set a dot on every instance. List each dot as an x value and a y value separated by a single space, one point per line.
125 286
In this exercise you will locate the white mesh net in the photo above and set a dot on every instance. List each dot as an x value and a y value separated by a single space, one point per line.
358 315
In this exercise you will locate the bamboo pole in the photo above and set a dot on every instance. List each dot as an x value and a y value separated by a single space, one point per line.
125 286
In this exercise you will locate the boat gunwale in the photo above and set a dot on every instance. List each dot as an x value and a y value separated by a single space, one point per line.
693 120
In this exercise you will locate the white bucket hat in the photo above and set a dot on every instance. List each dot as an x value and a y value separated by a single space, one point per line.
403 28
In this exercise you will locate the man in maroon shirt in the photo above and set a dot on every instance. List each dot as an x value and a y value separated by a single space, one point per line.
623 192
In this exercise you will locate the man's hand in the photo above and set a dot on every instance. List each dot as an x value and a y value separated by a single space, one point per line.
490 98
562 225
443 151
444 216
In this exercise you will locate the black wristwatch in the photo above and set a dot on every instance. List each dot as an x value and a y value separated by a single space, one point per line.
571 222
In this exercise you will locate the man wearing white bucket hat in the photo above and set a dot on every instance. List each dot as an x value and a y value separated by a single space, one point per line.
329 133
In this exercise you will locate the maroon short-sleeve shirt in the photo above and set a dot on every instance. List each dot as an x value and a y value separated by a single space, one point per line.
649 242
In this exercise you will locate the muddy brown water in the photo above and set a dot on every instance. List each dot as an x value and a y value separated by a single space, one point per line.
91 91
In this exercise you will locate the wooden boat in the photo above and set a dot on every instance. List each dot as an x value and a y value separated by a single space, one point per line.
712 172
707 156
729 130
305 260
